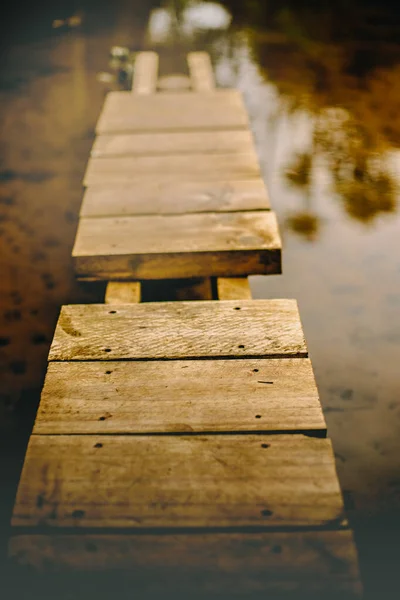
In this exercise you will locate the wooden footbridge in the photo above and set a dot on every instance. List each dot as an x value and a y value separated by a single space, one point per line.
180 449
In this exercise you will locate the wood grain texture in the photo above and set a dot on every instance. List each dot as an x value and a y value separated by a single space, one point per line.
201 71
145 73
319 562
173 330
179 197
233 288
142 482
180 396
118 292
182 167
123 112
178 246
156 144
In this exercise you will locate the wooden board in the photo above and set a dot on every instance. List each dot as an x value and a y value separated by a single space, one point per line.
141 482
229 563
145 73
200 142
176 397
233 288
174 197
178 246
181 111
182 167
118 292
172 330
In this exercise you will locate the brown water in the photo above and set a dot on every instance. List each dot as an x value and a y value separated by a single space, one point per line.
323 99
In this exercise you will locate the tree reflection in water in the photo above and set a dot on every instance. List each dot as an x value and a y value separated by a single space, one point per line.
341 63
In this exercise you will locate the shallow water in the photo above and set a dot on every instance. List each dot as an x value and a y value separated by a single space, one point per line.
323 101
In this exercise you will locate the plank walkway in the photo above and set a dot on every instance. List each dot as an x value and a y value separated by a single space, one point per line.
180 449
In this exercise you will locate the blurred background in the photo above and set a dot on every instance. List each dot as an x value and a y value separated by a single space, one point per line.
321 82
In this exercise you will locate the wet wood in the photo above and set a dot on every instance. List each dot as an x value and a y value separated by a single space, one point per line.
146 73
124 112
156 144
277 395
304 562
182 167
178 246
233 288
201 71
118 292
140 482
174 197
173 330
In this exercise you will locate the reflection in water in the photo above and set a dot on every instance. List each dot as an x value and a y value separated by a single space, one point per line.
316 63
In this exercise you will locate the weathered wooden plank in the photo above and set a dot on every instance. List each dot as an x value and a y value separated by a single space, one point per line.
142 482
145 73
182 167
176 397
118 292
201 71
174 197
123 112
178 246
172 330
233 288
200 142
304 562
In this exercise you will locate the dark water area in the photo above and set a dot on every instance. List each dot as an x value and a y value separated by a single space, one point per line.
321 82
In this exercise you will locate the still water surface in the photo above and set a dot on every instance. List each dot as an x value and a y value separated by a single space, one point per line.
323 100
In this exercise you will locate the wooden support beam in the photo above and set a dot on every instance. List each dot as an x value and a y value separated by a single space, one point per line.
123 292
201 71
233 288
145 73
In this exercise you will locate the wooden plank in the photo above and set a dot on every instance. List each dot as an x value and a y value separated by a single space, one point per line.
201 71
173 330
118 292
123 112
200 142
174 197
176 397
304 562
145 73
233 288
182 167
142 482
178 246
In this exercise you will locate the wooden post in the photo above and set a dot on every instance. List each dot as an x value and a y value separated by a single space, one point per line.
146 73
